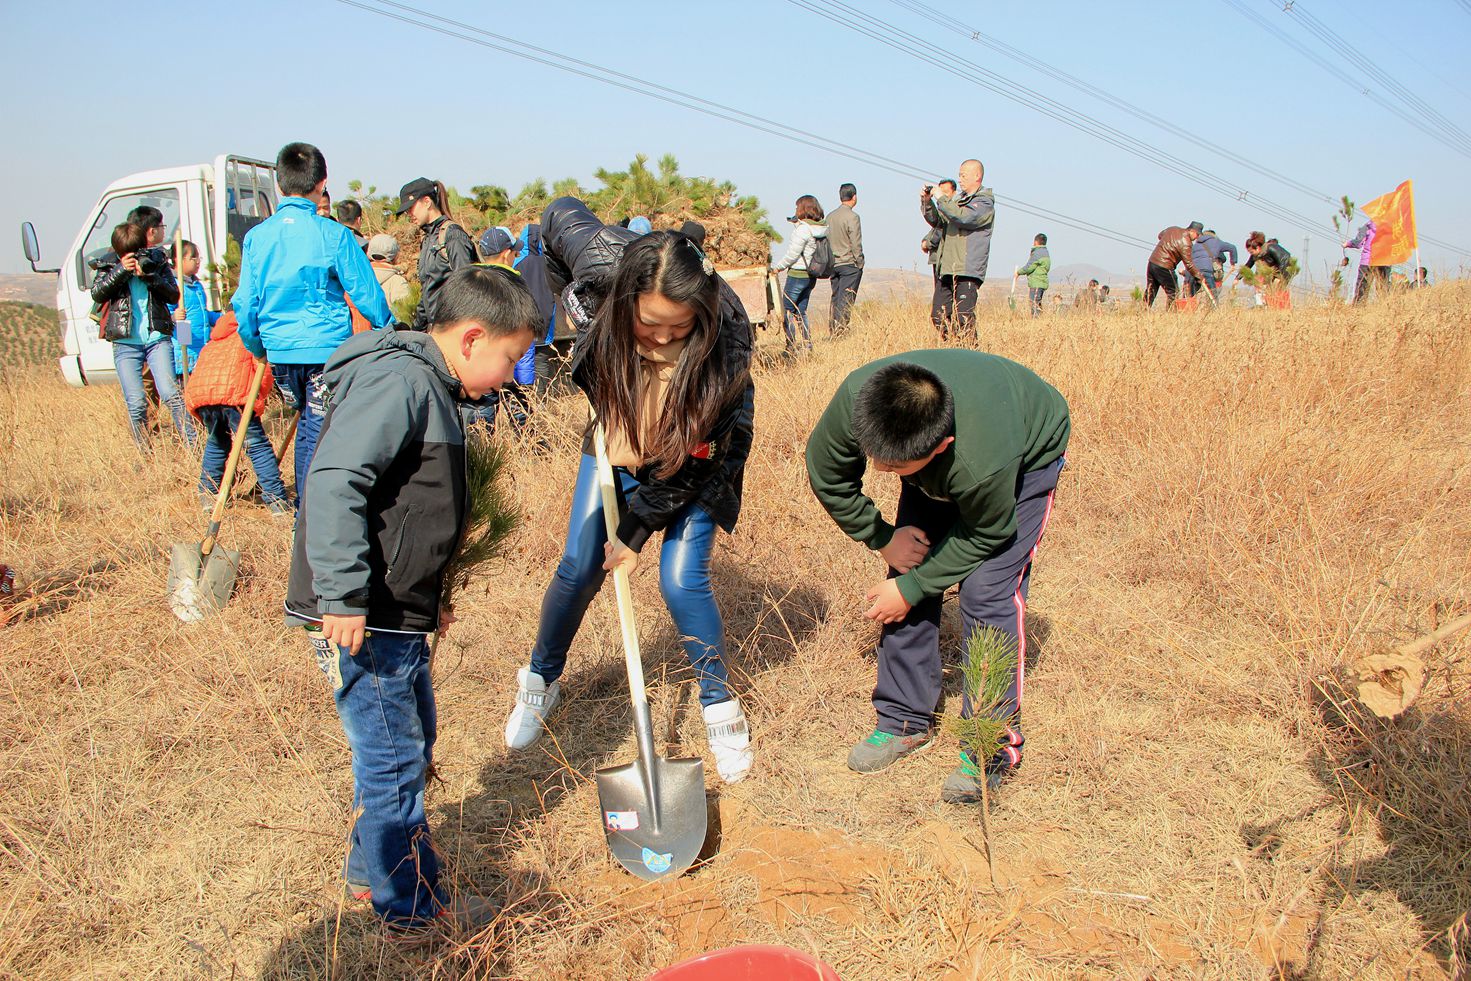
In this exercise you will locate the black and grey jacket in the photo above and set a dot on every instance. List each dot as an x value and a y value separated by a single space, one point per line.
444 248
582 252
966 221
112 282
385 498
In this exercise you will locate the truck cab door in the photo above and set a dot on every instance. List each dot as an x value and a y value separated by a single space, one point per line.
89 359
242 196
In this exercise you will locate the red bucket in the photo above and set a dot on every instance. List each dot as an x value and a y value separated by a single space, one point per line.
1279 300
753 962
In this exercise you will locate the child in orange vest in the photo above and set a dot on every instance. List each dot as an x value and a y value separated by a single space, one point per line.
216 395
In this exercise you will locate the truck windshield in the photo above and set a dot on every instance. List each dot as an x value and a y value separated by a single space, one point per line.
98 244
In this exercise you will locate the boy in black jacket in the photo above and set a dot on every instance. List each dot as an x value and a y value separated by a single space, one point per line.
382 520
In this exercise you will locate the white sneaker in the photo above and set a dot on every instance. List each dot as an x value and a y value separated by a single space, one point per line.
730 739
534 702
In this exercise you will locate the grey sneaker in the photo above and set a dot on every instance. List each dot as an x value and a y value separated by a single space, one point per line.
963 785
280 509
878 750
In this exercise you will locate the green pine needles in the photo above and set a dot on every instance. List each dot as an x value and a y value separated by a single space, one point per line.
490 517
989 668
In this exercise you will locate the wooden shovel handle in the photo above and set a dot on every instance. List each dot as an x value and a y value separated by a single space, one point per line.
1430 640
286 443
236 445
632 658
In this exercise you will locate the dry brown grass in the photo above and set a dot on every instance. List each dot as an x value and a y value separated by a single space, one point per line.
1251 498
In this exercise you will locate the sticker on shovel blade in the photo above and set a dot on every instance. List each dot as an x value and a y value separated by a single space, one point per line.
621 820
657 863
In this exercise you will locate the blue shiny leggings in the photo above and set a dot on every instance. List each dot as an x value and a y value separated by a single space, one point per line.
684 579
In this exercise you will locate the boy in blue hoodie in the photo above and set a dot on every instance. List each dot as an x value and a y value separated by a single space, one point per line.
381 522
296 269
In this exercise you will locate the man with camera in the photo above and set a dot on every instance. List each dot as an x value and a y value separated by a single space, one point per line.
964 217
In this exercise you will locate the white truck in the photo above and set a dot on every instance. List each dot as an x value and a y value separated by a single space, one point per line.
210 203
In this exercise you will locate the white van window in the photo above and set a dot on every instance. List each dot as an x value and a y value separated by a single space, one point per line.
114 212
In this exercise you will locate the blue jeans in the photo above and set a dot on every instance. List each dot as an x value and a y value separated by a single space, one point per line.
303 390
220 422
795 294
129 360
684 579
386 704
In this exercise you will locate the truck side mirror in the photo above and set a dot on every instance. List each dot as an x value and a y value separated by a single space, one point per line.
29 244
32 247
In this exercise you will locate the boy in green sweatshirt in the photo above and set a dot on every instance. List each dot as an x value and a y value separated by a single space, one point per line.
1039 264
977 442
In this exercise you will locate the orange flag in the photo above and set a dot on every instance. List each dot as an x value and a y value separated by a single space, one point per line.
1394 225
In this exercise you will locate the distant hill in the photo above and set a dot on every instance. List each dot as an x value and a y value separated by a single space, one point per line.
1080 272
29 334
29 288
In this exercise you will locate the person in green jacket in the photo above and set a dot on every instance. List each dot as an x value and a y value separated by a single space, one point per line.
977 442
1039 264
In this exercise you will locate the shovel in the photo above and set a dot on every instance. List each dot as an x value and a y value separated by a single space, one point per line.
202 576
653 808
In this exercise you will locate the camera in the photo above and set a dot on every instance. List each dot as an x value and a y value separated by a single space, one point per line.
151 262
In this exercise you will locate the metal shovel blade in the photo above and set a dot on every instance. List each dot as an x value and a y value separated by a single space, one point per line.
200 586
654 817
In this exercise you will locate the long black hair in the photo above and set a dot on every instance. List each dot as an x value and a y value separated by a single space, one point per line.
669 264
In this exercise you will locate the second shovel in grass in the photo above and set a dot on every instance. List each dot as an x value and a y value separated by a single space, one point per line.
653 809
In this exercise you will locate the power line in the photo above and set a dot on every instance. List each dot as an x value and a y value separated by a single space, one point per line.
1357 84
418 17
939 18
945 22
853 19
1367 65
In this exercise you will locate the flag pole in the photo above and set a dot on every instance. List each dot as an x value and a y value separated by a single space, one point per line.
1415 228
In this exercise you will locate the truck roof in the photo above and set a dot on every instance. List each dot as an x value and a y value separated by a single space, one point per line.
169 175
164 175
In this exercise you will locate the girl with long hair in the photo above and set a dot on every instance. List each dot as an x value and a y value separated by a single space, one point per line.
663 354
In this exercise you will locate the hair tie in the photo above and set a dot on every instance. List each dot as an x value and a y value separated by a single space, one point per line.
706 266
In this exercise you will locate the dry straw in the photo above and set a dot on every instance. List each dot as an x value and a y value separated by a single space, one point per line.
1253 499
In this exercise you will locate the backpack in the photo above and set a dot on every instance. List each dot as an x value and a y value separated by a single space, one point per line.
443 233
820 266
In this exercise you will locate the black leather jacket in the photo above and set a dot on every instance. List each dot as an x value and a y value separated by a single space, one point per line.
112 284
580 248
444 248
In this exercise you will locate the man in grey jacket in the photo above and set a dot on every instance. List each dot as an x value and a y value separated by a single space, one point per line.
845 235
965 219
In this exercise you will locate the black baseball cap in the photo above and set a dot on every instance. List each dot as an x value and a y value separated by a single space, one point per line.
419 187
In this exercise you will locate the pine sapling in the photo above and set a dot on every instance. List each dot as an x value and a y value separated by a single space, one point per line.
990 665
490 516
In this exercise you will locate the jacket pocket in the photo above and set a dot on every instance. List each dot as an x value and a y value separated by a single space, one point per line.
399 539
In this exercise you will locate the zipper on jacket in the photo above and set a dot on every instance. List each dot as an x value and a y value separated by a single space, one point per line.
399 546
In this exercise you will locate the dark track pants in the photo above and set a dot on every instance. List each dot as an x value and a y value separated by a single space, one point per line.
994 595
1157 277
954 304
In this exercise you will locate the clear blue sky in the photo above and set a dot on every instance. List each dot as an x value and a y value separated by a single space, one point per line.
388 102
